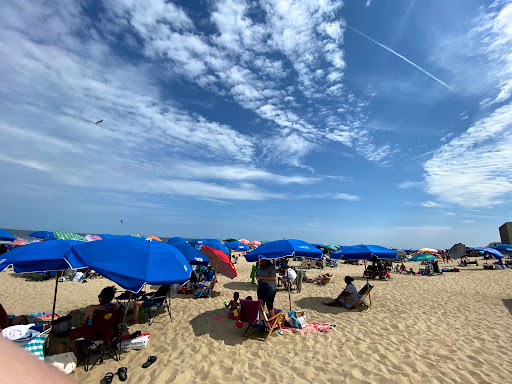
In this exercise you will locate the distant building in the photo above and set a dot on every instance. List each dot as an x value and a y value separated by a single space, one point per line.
506 232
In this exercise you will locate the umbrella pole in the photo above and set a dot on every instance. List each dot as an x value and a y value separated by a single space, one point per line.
55 295
126 309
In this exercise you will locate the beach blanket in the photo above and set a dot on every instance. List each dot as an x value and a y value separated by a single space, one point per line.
311 327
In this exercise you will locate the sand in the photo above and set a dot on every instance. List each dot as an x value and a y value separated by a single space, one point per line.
453 328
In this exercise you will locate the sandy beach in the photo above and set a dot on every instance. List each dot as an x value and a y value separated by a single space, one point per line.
452 328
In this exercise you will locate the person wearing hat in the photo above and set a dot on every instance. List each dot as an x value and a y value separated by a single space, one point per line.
349 291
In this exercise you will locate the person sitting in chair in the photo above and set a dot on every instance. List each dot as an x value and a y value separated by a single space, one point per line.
350 291
137 305
6 321
105 298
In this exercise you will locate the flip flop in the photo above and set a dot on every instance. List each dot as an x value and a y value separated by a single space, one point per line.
151 360
109 376
121 373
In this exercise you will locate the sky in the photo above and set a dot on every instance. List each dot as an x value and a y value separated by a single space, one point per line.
356 122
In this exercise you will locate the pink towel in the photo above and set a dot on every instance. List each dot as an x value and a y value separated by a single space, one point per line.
311 327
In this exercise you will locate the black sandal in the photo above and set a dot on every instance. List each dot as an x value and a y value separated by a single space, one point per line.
109 376
121 373
151 360
135 334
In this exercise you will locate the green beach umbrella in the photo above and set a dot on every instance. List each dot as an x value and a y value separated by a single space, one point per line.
423 257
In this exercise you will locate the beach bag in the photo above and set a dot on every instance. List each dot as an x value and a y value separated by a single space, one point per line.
65 362
297 319
139 342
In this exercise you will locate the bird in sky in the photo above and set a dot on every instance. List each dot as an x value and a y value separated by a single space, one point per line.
121 222
97 122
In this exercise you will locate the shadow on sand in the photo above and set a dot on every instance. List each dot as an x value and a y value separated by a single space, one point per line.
241 286
315 304
216 324
508 303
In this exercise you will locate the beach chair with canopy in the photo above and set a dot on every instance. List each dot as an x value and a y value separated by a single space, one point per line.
101 337
250 311
205 290
363 294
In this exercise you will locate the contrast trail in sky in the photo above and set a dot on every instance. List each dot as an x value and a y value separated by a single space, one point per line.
402 57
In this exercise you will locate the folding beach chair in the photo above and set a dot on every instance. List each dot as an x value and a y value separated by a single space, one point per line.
101 337
249 313
160 299
206 290
363 294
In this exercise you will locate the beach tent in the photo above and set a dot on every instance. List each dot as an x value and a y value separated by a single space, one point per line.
364 252
40 234
192 254
457 251
236 246
504 248
177 240
220 261
284 248
40 257
132 262
6 236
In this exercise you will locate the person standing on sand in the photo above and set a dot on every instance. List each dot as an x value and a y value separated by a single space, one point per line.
267 287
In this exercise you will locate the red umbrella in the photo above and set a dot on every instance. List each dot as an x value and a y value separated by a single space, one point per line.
243 241
220 261
255 242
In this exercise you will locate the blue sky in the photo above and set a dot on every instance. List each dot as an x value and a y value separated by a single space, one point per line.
370 122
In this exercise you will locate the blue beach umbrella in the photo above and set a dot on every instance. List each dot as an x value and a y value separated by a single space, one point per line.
132 262
177 240
491 251
4 235
504 248
218 246
423 257
236 246
364 252
284 248
106 236
40 234
193 255
40 257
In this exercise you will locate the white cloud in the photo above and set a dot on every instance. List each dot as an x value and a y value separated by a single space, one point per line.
345 196
410 184
430 204
475 169
468 221
479 60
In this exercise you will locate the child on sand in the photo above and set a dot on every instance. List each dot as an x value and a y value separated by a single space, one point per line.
233 304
